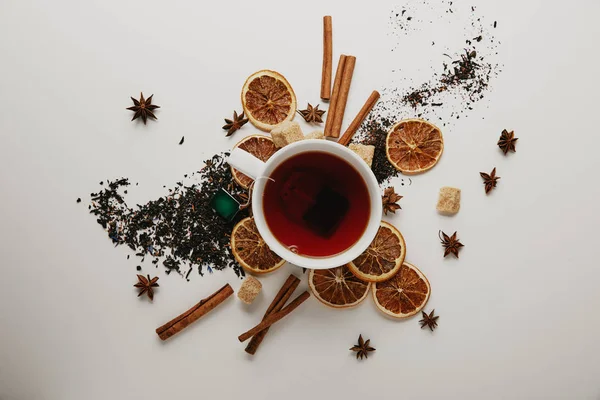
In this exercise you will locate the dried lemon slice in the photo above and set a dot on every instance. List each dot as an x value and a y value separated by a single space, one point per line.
383 258
414 146
268 99
251 251
405 294
337 287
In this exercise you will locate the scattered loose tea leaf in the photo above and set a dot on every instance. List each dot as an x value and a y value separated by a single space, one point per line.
181 228
362 349
489 180
79 199
374 132
146 285
143 108
390 200
507 141
139 267
429 321
182 139
312 114
232 125
451 244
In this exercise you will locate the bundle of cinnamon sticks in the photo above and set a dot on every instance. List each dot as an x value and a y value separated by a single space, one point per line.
275 312
338 95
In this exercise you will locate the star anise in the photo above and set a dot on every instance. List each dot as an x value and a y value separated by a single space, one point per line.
143 108
429 320
507 141
489 180
146 285
450 243
390 200
312 114
232 125
362 349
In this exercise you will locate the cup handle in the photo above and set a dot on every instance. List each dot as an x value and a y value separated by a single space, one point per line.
246 163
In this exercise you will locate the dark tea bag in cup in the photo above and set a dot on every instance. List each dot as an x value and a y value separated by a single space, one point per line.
307 198
299 193
327 212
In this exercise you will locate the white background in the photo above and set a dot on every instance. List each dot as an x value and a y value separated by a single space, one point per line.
518 311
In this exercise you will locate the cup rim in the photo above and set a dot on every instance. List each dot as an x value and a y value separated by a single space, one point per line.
374 196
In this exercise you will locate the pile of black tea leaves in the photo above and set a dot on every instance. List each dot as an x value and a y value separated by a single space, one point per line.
179 229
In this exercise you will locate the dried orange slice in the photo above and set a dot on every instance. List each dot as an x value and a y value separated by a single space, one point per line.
251 251
268 99
337 287
383 258
405 294
261 147
414 146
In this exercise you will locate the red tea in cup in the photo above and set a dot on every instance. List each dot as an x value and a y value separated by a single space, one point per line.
316 204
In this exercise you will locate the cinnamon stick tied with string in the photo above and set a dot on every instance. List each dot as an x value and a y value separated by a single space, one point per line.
360 117
327 58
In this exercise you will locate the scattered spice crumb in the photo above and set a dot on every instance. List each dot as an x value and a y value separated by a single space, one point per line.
374 132
79 199
182 139
465 79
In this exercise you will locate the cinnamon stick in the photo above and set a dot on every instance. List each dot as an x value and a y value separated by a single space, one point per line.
182 321
334 95
327 58
277 304
360 117
340 104
271 319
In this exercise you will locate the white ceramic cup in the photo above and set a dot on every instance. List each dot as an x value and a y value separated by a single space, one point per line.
260 171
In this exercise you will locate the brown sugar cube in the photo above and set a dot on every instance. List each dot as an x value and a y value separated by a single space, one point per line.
315 135
285 133
365 152
449 200
250 288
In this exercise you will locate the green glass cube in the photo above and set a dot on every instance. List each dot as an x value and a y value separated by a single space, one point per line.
225 205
